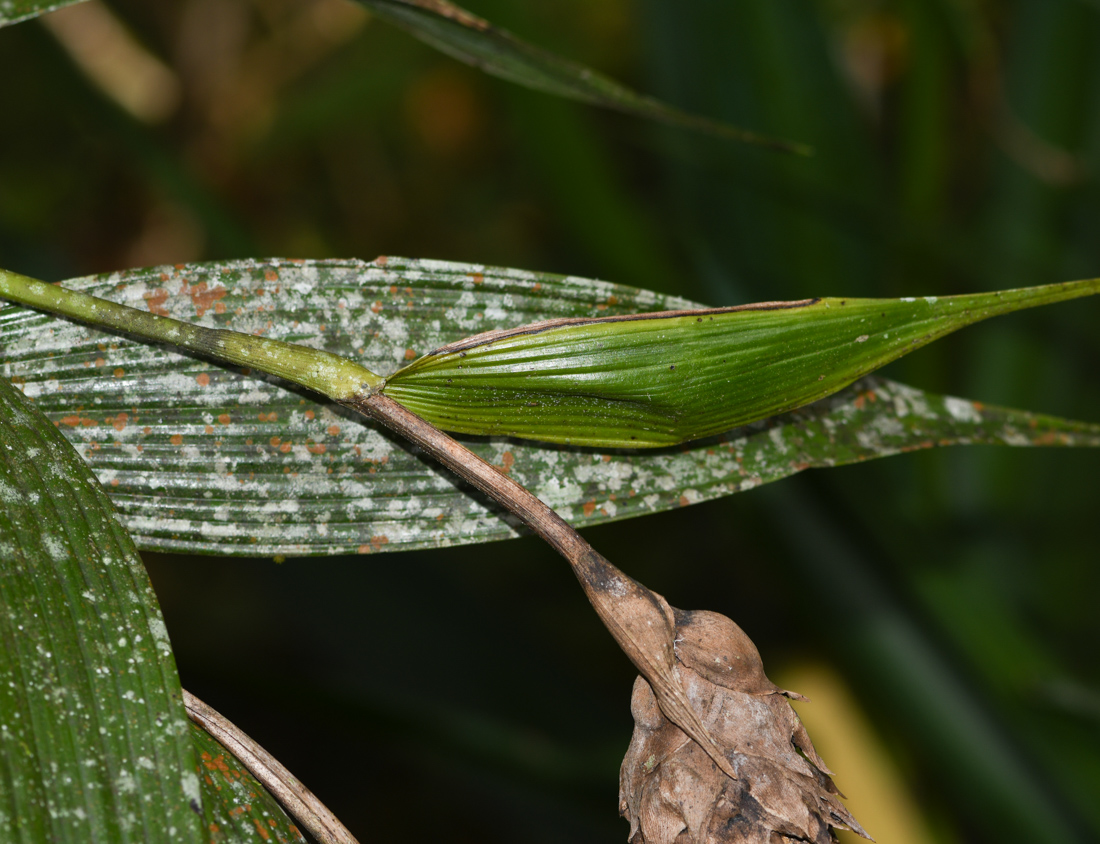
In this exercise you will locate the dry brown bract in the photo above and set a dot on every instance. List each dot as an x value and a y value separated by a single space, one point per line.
671 790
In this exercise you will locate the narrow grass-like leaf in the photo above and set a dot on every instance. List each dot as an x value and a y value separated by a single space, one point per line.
470 39
238 809
199 457
13 11
94 743
654 380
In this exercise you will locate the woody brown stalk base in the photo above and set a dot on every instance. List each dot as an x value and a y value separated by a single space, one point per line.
640 620
693 664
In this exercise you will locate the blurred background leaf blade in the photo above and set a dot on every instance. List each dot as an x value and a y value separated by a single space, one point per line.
471 39
14 11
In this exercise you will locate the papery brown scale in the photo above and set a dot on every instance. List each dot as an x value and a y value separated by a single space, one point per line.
672 792
643 624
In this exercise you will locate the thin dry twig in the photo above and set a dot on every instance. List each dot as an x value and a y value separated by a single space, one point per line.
718 755
640 620
298 800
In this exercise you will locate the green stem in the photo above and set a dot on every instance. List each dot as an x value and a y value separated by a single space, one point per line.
328 374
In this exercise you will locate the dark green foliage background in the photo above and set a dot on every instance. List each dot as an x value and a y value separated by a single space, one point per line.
470 693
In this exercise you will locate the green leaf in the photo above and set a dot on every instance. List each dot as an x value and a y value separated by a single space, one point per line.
94 743
13 11
199 457
661 379
470 39
238 808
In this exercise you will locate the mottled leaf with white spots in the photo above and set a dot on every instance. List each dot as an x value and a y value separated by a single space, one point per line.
202 457
94 742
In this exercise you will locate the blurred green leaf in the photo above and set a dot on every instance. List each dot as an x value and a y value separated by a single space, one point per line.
470 39
13 11
93 739
237 807
206 458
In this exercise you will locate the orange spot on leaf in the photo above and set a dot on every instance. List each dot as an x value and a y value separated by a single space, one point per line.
203 298
589 508
224 419
155 301
176 439
203 379
76 419
410 354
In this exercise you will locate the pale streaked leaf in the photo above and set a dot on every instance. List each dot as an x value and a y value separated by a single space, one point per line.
199 457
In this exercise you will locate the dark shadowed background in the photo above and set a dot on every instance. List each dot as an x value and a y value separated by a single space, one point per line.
939 607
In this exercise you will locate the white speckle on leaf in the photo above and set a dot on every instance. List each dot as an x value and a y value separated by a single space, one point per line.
191 789
962 410
126 782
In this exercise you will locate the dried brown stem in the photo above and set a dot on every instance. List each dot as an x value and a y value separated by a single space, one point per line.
298 800
640 620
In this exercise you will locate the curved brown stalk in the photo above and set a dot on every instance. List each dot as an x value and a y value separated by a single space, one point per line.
299 802
639 619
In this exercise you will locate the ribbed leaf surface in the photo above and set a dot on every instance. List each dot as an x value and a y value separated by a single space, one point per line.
94 744
664 379
199 457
